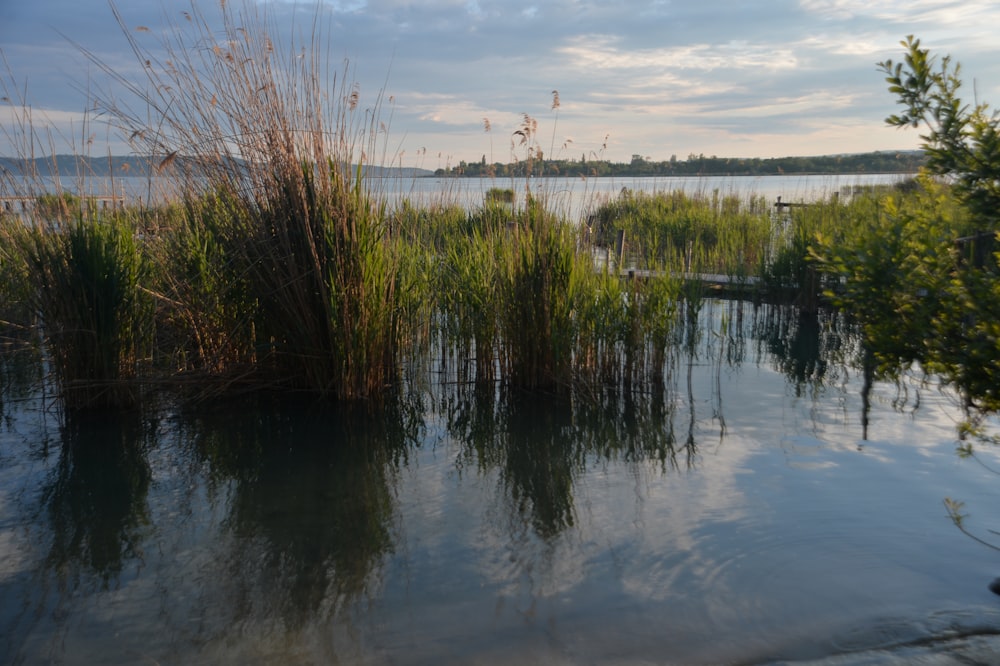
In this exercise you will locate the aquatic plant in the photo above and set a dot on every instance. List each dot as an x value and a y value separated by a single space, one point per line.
83 279
536 303
702 233
205 310
276 195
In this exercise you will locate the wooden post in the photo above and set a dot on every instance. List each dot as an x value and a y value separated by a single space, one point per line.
620 248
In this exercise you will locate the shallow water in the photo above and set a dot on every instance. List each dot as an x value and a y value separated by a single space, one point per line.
738 517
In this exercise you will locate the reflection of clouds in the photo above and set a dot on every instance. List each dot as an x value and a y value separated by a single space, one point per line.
781 534
444 512
15 559
667 523
527 569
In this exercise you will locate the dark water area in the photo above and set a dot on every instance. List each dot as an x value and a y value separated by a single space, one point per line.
738 516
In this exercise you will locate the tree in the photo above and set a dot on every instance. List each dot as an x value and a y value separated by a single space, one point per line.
961 141
907 274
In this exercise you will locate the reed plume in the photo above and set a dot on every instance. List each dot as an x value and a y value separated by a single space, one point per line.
271 143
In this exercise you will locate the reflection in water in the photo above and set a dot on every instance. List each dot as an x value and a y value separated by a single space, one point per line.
274 533
540 444
310 502
20 367
84 528
536 458
804 346
96 498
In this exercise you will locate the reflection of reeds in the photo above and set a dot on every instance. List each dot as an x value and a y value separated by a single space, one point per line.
312 500
539 445
97 499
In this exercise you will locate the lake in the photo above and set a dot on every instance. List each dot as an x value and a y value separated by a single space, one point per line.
737 517
572 197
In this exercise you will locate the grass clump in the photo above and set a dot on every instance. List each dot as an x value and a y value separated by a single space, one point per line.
701 233
83 280
290 275
538 285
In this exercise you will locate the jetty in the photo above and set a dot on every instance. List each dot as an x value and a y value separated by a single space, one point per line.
25 204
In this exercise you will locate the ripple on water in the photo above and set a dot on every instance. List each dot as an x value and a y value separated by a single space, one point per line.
895 633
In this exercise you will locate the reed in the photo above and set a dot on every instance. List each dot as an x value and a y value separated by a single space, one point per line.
658 300
288 248
469 301
718 233
83 279
537 265
600 308
205 309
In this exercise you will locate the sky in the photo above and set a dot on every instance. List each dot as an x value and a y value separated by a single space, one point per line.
654 78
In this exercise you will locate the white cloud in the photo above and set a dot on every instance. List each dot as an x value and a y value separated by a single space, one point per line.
948 12
623 67
604 52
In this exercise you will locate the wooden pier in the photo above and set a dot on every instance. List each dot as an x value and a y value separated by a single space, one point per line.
24 204
782 205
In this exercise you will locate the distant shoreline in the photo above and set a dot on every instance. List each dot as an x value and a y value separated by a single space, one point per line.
896 163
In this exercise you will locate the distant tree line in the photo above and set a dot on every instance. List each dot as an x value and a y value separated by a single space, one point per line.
694 165
80 166
697 165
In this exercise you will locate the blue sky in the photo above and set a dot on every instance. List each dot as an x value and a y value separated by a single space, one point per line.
655 78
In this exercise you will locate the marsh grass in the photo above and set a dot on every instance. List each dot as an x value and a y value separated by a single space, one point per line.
691 233
280 266
83 279
285 254
538 289
205 309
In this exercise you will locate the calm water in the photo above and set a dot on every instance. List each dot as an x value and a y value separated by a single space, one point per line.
577 197
737 518
574 198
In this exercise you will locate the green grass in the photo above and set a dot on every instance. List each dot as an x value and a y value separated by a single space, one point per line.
700 233
83 280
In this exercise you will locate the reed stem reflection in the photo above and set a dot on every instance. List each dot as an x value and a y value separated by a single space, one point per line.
311 502
97 497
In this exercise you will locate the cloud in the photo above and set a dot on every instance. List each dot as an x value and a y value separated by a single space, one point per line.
604 52
627 68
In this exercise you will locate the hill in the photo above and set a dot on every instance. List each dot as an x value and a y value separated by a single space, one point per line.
74 166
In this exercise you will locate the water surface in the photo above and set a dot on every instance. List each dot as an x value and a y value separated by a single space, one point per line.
573 198
737 516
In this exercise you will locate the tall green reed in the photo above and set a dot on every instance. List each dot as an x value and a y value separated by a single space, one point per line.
536 305
83 277
205 309
277 201
713 232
